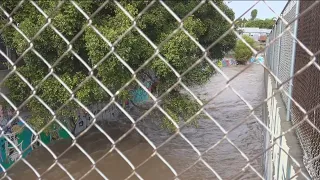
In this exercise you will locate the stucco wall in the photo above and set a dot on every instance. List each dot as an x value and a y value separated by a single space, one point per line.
281 163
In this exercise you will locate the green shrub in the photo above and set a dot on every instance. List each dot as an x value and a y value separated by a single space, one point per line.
219 63
242 52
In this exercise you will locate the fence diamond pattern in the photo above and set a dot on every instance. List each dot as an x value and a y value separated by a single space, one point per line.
287 25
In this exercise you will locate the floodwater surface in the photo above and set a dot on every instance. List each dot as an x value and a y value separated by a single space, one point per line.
222 156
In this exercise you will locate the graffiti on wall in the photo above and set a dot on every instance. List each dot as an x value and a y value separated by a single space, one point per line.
84 119
257 60
5 116
228 62
225 62
11 130
22 137
139 95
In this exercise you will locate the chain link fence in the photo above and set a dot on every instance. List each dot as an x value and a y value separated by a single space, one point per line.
305 96
297 68
111 73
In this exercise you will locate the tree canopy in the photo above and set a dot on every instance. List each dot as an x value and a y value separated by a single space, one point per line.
205 25
254 22
254 14
261 23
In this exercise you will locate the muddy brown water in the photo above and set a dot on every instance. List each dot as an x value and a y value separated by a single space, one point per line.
227 109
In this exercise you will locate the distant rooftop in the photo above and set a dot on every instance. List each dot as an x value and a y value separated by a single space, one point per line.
254 30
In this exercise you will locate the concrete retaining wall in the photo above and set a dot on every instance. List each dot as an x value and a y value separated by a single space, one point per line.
281 163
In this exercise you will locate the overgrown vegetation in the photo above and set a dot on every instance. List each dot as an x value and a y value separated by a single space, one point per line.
206 25
260 23
242 52
254 22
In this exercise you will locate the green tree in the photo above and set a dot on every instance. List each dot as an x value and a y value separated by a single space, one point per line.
241 23
261 23
244 22
205 25
242 52
254 14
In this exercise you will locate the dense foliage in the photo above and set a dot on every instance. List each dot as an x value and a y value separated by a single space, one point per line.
254 22
261 23
242 52
205 25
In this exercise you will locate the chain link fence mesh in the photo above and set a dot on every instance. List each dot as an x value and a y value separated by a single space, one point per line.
304 98
306 83
299 50
286 46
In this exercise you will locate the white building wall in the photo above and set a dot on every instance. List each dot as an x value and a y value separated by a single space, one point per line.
279 165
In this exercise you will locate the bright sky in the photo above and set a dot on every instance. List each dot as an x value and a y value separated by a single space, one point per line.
239 7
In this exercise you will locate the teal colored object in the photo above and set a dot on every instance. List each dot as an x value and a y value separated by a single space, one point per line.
261 59
4 162
224 64
63 134
22 140
26 136
8 153
139 95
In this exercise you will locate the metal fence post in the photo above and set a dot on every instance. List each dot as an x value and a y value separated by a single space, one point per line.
273 47
292 62
279 51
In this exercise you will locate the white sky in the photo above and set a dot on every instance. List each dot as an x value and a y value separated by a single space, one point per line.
240 7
